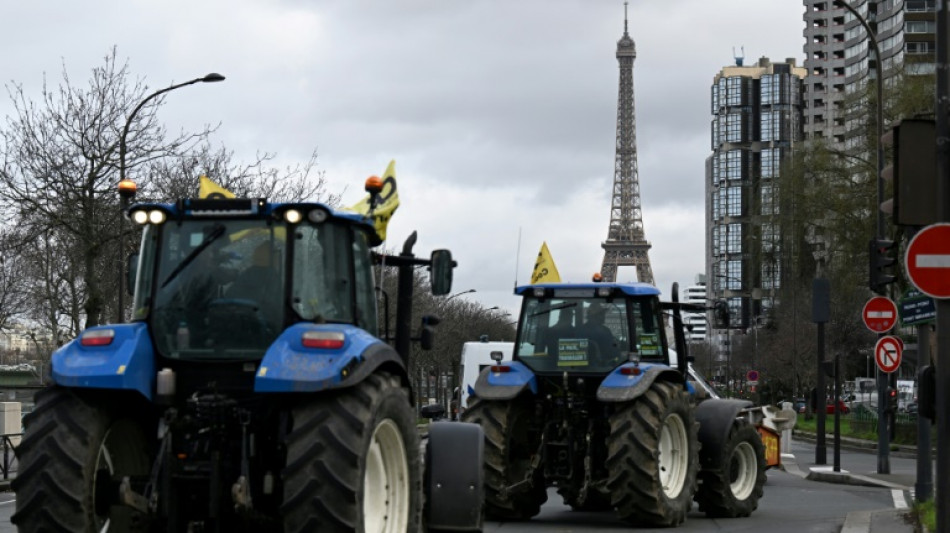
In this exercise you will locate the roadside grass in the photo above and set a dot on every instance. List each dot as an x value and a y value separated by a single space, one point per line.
925 513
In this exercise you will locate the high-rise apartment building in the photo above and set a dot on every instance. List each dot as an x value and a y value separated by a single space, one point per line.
695 322
839 56
757 120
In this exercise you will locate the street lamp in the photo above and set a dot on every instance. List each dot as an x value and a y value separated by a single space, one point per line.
883 457
127 187
459 294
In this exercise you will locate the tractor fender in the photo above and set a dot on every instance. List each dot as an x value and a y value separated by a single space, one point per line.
505 385
128 362
624 383
289 366
716 417
454 476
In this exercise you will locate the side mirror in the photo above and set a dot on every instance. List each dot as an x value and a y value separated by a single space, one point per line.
440 272
130 267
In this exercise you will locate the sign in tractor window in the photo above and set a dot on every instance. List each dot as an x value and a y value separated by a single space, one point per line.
572 352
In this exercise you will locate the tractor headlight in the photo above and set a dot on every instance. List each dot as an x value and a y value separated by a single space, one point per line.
139 217
318 215
292 216
156 216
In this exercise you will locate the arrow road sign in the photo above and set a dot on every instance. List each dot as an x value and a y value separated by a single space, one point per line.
887 353
928 260
880 314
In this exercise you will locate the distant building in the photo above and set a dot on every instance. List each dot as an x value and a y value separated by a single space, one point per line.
757 122
695 322
839 57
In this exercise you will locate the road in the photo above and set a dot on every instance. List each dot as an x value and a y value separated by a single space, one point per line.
791 504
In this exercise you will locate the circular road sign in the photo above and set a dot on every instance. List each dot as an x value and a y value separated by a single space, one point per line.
752 375
927 260
880 314
887 353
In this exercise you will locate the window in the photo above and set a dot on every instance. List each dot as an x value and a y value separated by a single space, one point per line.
919 48
920 26
918 6
733 238
733 201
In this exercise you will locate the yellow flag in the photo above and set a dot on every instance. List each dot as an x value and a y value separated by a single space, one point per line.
544 269
385 205
210 189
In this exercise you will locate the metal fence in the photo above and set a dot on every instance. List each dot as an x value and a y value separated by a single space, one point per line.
9 466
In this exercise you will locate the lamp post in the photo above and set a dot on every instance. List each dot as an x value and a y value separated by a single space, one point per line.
459 294
127 188
883 456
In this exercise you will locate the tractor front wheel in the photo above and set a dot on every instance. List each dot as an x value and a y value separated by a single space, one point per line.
735 487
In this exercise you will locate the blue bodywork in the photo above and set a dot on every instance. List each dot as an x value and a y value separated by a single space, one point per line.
632 289
519 376
128 362
290 367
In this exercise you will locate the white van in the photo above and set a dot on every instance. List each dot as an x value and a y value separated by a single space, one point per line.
475 357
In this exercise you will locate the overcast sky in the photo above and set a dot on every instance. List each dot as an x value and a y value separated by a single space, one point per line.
501 115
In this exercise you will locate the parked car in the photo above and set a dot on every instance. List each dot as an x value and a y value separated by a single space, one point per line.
829 408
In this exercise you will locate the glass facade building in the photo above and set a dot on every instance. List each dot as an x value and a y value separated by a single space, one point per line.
756 122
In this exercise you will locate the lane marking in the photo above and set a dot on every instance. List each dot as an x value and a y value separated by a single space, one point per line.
899 501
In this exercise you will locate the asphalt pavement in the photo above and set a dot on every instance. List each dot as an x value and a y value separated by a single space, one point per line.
858 465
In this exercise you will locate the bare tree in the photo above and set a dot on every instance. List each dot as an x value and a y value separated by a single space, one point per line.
61 158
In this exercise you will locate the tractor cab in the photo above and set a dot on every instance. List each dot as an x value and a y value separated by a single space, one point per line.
222 279
589 327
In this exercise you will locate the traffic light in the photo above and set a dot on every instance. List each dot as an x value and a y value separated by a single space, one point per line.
913 173
881 255
721 308
891 400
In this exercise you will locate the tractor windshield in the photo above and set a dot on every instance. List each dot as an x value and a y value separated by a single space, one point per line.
586 334
225 289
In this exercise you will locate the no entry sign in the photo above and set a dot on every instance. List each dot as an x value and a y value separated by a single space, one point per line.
880 314
928 260
887 353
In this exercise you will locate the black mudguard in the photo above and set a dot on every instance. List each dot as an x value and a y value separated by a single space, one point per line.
715 417
454 482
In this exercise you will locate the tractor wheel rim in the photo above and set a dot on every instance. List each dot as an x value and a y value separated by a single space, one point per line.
386 482
673 456
743 471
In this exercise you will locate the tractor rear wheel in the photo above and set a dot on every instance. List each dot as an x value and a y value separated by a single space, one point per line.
653 457
734 489
73 456
509 449
353 461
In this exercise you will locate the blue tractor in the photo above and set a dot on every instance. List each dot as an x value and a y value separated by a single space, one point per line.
593 405
253 389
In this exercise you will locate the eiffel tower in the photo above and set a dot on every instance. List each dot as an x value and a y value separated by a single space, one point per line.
626 244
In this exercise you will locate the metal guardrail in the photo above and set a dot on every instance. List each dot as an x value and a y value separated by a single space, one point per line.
10 462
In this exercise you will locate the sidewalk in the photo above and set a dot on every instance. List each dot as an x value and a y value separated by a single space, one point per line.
900 480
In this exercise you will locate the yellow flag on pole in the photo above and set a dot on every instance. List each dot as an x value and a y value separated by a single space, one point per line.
544 269
385 205
210 189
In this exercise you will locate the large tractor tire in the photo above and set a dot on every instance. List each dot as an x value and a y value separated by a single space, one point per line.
353 461
653 457
734 489
74 454
508 454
